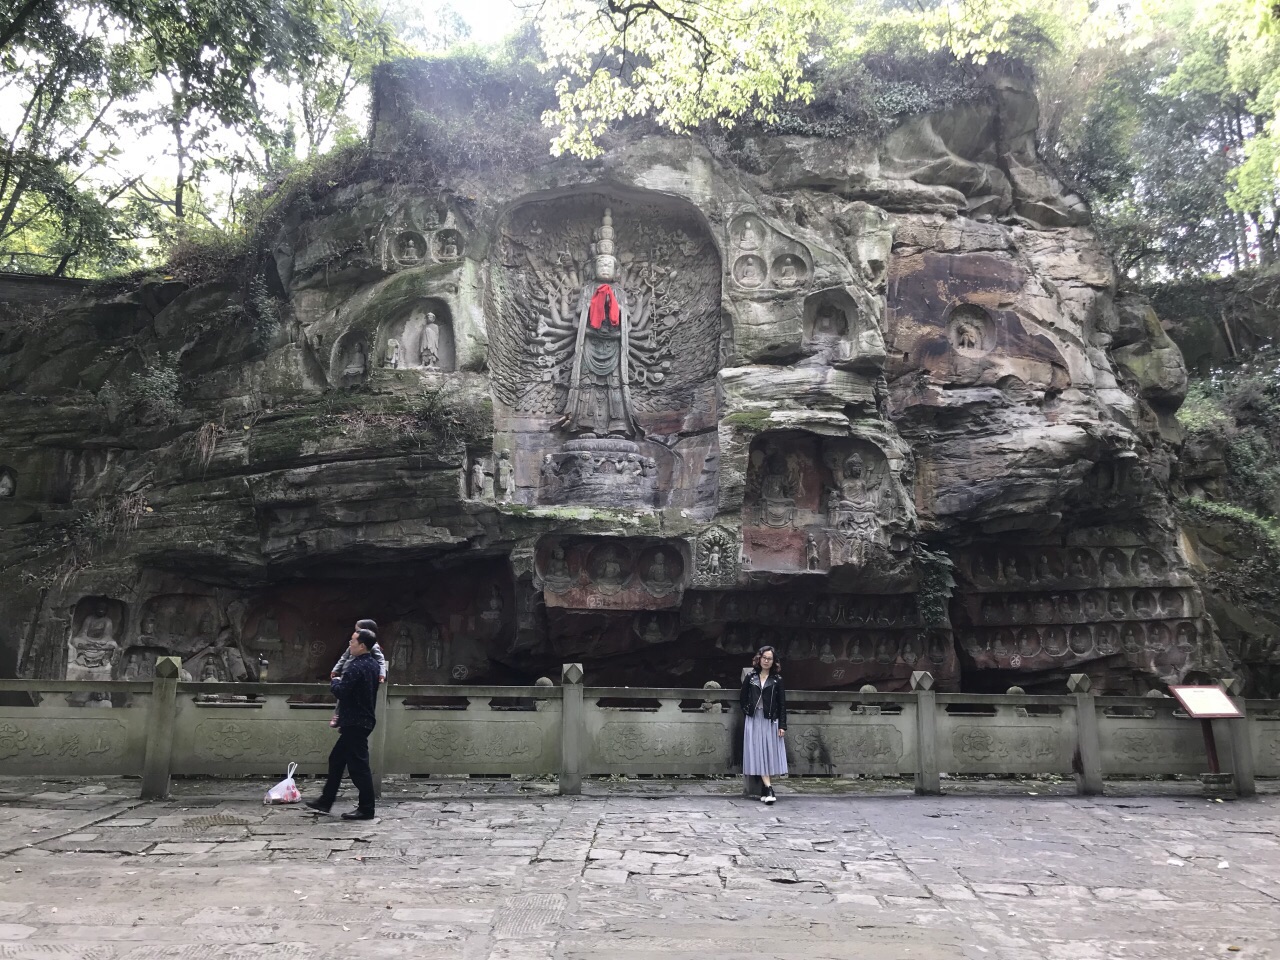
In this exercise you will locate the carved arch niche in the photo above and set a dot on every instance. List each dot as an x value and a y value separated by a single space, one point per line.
813 503
764 258
620 410
423 331
282 634
352 358
424 340
782 509
93 647
843 330
173 624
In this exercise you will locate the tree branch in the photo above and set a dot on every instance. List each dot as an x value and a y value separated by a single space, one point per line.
16 23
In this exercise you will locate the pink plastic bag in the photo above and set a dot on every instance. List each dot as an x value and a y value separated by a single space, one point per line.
286 791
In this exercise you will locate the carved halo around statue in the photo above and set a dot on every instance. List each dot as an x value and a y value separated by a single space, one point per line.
715 558
602 462
789 270
605 340
609 567
661 571
409 248
555 570
749 271
971 330
448 245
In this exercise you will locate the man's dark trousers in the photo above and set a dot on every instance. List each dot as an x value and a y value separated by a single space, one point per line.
351 752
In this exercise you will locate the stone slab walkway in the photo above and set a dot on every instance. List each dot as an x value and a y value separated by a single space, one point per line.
503 870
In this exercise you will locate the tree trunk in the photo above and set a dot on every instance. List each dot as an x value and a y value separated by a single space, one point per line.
1264 248
14 27
180 182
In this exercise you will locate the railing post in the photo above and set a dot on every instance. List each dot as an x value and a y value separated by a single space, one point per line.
1088 746
572 723
377 749
1240 736
160 721
928 783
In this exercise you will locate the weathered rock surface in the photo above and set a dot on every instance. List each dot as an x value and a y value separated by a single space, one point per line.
648 413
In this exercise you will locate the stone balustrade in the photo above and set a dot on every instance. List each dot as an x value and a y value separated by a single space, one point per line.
164 728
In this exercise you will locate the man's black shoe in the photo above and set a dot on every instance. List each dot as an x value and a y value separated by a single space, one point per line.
317 806
358 815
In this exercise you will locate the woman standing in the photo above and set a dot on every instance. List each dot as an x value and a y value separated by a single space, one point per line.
764 752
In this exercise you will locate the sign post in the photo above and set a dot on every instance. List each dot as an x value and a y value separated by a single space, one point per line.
1207 704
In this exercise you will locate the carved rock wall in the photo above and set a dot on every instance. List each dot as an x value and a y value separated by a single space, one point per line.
649 413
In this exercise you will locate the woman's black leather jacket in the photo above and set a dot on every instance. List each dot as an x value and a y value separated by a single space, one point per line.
774 698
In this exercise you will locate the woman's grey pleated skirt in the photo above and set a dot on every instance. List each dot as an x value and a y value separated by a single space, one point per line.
764 753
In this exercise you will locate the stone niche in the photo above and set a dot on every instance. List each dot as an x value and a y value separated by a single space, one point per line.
814 503
952 317
417 336
93 647
180 625
1118 610
610 574
764 259
839 331
825 640
435 626
604 341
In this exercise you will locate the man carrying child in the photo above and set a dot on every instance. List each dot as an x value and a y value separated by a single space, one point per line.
355 684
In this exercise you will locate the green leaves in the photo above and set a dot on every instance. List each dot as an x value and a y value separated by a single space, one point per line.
680 62
237 89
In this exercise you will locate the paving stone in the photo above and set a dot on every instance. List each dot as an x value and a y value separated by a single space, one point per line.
951 891
616 876
99 846
1002 889
181 848
309 843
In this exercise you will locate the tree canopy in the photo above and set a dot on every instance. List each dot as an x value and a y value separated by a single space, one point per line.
224 94
1162 113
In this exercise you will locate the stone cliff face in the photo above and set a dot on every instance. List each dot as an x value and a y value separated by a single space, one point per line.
877 406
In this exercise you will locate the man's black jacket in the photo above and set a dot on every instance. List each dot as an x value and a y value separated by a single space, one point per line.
357 693
772 697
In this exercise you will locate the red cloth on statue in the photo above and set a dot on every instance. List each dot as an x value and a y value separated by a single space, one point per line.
604 303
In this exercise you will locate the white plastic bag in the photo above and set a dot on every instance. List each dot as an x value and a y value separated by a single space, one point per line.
286 791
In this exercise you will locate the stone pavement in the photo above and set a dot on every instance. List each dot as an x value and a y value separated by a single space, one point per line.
504 870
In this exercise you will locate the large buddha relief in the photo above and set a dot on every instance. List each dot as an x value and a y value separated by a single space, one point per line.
605 340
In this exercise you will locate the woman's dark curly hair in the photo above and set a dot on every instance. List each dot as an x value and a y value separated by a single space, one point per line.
776 669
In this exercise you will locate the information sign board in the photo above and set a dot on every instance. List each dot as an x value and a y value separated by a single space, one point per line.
1205 703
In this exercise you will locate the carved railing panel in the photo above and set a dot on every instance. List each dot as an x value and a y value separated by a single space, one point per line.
843 733
77 728
503 730
235 730
1150 737
1265 721
1003 735
627 738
